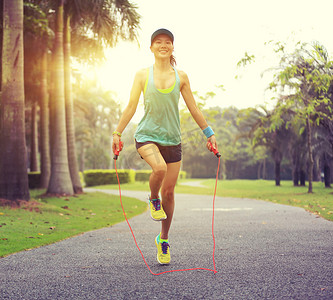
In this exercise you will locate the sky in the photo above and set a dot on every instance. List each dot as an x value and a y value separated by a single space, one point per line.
212 36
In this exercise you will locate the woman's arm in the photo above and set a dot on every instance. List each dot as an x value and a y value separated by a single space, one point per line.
196 113
130 108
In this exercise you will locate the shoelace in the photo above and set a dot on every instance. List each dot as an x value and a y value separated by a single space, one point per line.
156 204
165 247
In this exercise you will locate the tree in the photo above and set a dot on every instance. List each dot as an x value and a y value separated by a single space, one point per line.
37 40
72 157
106 20
306 75
258 122
13 155
60 181
96 113
44 123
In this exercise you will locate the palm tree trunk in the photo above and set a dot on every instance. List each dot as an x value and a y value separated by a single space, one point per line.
72 157
309 140
82 156
34 139
60 181
44 125
13 153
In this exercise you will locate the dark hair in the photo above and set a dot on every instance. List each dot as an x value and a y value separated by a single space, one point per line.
173 60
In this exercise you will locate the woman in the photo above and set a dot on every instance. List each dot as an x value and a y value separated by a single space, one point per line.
157 137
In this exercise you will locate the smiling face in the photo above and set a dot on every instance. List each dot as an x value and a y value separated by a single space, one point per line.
162 46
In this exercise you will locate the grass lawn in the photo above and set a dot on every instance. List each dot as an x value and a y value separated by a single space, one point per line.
47 220
319 202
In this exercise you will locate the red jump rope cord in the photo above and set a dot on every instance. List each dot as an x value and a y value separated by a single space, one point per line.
180 270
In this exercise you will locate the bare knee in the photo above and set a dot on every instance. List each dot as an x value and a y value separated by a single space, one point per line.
160 171
168 192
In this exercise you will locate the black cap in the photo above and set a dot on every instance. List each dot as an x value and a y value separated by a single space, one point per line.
162 31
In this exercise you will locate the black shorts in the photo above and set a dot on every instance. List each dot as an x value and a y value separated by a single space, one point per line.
171 154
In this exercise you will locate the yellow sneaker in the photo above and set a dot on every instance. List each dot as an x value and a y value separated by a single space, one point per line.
156 210
163 252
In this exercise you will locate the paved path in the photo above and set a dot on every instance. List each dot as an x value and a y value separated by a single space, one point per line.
263 251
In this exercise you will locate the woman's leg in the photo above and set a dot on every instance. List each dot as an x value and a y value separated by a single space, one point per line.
151 154
168 195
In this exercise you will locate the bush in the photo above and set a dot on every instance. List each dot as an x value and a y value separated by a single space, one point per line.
142 175
182 175
101 177
82 179
34 180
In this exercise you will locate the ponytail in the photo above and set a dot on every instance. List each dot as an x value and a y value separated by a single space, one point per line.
173 60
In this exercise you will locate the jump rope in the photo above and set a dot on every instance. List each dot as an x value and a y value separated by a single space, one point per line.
218 155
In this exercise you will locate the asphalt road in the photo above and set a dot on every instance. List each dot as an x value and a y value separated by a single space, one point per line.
263 251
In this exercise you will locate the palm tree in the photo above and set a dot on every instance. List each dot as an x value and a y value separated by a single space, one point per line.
37 38
60 181
13 155
72 157
101 17
34 138
45 158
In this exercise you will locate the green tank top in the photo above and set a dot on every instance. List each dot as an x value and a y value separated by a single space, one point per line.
160 122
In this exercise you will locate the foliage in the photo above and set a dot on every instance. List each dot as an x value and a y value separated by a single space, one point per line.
96 113
142 175
101 177
304 80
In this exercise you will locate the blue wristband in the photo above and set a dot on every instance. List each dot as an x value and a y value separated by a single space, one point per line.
208 132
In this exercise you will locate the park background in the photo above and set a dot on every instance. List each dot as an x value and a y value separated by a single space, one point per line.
261 73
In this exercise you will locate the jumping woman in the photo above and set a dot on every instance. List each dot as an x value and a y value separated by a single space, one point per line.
158 138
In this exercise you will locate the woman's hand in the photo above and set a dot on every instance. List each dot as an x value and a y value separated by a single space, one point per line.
116 143
211 142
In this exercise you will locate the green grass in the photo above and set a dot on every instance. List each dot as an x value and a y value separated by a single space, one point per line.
320 202
47 220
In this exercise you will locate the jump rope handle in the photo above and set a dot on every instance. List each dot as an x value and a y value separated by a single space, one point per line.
116 152
215 151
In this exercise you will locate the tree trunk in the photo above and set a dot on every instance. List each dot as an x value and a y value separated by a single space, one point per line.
302 177
264 169
13 153
277 172
60 181
316 170
34 139
277 159
327 176
295 177
296 172
82 156
72 157
44 125
309 141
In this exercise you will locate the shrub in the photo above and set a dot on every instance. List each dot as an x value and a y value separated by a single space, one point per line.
82 179
34 180
142 175
101 177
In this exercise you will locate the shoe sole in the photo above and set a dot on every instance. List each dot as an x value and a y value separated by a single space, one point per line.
157 255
